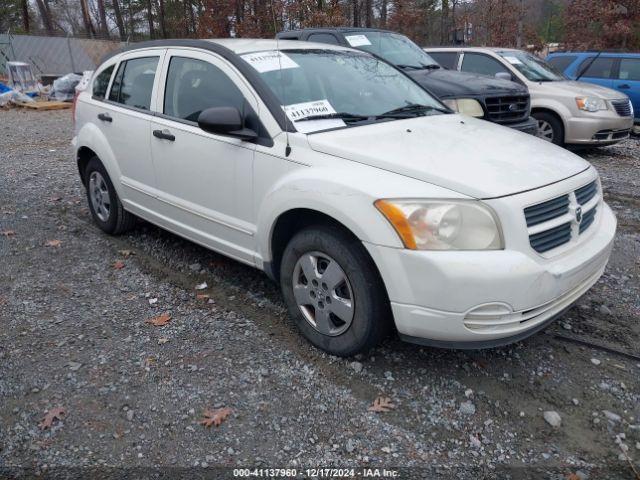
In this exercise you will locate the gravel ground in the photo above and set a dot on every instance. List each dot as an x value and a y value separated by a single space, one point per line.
74 334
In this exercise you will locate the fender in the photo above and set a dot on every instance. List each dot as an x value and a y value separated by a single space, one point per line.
555 106
91 137
346 194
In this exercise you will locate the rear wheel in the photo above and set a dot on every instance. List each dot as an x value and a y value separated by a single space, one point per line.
105 206
333 291
550 128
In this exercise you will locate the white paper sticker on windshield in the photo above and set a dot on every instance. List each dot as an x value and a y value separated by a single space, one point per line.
357 40
299 111
269 61
513 60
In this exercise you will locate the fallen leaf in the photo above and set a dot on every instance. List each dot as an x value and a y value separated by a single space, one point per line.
201 286
53 243
160 320
54 414
381 405
118 265
3 301
202 296
126 253
153 301
163 340
8 233
215 417
573 476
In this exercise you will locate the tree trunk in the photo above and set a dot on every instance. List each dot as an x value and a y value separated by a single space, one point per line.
25 15
356 13
368 13
86 19
102 15
150 19
45 14
119 23
383 13
163 27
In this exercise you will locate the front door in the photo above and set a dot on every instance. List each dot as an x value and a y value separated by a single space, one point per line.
204 180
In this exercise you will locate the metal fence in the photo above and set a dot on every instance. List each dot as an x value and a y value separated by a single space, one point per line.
54 55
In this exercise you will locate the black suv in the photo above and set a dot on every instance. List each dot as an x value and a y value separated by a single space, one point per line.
500 101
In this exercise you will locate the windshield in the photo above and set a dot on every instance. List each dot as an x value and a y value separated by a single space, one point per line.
532 67
310 83
394 48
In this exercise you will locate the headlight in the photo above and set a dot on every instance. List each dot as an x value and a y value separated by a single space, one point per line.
443 225
466 106
591 104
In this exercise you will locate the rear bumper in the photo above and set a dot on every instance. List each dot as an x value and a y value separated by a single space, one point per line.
529 126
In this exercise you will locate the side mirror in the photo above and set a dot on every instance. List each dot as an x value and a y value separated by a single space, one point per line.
225 121
504 76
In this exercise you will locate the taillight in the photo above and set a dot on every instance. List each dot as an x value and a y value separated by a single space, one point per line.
73 107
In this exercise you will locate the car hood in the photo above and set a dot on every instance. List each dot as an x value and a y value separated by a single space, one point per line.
572 88
451 84
464 154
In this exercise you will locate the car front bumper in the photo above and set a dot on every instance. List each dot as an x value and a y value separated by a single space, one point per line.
459 299
604 128
530 126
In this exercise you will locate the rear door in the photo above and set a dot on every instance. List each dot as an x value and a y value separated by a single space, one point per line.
126 122
628 81
448 60
482 64
205 180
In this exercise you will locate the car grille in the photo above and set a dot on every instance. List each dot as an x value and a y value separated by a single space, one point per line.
557 222
622 107
507 109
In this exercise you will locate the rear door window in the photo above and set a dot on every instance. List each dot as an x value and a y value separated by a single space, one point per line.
599 68
562 62
447 60
133 83
482 64
629 69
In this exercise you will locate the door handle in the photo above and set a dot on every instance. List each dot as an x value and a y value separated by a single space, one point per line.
624 86
105 117
164 134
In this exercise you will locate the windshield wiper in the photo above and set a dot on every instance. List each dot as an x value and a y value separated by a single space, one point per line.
422 66
414 108
339 115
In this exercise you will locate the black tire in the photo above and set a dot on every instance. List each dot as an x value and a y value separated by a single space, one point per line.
371 319
554 122
118 220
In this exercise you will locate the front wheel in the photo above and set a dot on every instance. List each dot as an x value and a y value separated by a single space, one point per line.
550 128
333 291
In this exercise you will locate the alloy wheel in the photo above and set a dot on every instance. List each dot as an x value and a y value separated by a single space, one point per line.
545 131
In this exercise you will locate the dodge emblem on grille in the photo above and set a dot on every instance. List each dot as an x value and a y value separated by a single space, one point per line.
513 107
579 214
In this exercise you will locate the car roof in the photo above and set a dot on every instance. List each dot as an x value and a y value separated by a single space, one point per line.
247 45
591 53
477 49
339 30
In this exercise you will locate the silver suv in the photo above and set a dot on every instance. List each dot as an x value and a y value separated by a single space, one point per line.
568 112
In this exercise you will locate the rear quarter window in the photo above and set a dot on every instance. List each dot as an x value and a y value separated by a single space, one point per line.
562 62
101 82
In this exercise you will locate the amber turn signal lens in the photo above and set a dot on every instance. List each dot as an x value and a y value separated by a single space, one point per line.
398 221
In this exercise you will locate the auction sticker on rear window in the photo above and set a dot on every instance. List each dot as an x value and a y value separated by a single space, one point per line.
357 40
300 111
269 61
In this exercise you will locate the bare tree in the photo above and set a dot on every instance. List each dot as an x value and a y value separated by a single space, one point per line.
25 15
86 18
102 17
119 22
150 19
45 15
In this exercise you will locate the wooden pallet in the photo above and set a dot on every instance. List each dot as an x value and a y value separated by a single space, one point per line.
49 105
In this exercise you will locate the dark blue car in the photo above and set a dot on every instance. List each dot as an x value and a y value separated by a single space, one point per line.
620 71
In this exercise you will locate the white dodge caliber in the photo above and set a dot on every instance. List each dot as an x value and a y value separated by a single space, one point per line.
370 202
